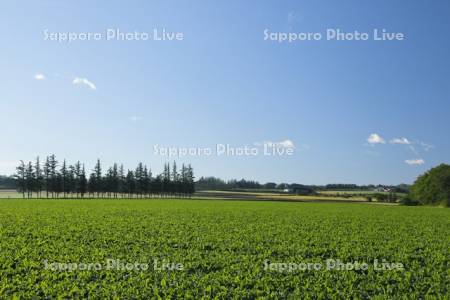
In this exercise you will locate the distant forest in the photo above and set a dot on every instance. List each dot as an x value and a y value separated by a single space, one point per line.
213 183
54 179
7 183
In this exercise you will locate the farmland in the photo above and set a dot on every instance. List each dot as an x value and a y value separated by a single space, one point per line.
10 194
247 195
272 196
224 248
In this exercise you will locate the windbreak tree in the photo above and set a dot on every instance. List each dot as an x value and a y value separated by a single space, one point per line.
83 184
54 177
21 178
39 177
98 183
71 181
30 179
130 184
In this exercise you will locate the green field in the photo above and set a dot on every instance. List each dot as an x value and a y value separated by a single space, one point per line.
223 247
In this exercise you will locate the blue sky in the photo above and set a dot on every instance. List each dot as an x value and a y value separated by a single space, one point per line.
355 111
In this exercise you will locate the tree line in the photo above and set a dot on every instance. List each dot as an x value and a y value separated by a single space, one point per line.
7 182
431 188
213 183
53 179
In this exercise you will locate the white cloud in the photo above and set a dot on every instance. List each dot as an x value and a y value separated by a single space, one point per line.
286 144
39 76
415 162
400 141
413 149
426 147
85 81
412 145
375 139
